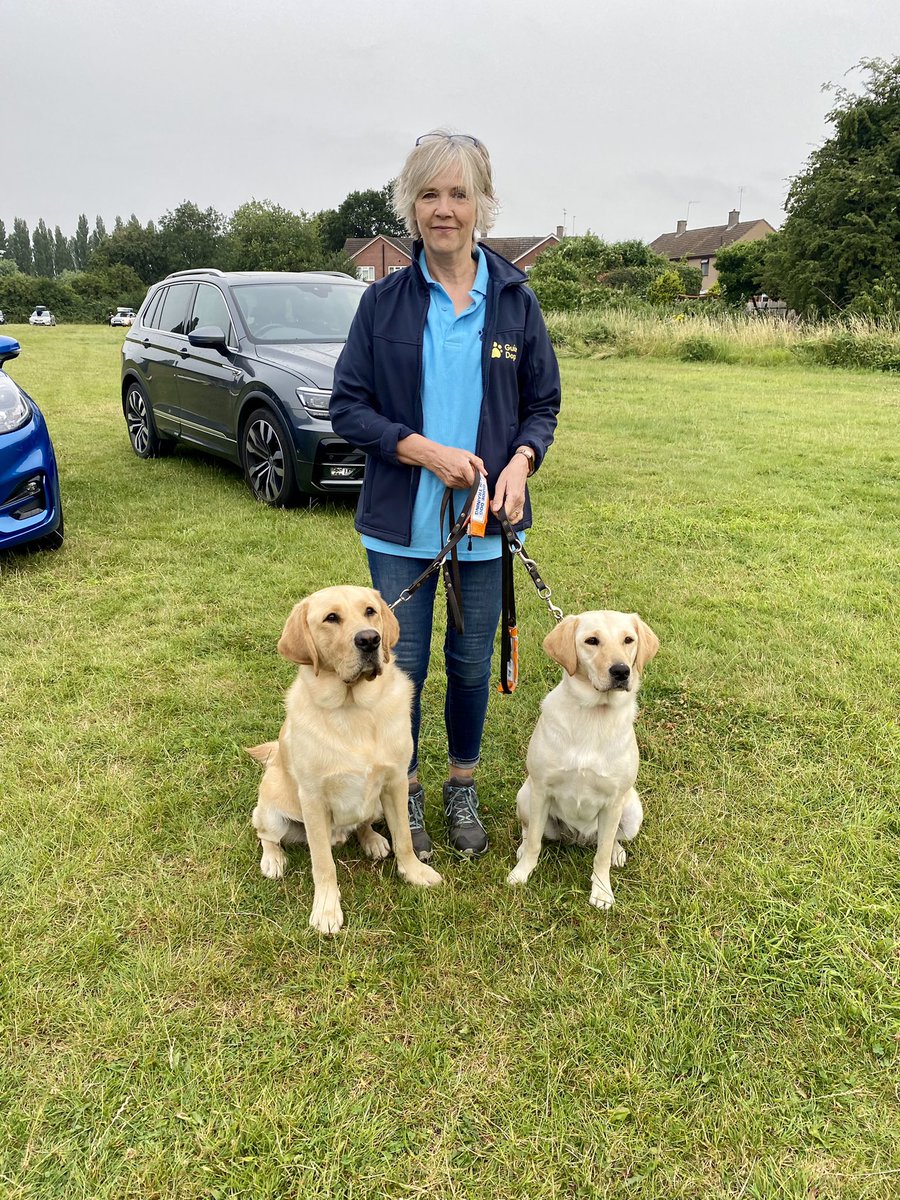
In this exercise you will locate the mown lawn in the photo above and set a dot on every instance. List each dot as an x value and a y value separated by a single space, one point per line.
172 1028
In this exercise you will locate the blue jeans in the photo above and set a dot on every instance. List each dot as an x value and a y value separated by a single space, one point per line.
467 657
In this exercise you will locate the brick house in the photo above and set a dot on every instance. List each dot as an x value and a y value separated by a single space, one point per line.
381 255
700 246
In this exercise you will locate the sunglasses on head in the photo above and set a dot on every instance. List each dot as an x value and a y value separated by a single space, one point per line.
449 137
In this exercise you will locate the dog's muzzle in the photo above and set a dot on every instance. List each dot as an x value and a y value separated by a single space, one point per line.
368 643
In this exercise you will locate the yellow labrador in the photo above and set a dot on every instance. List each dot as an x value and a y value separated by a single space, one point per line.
583 756
340 761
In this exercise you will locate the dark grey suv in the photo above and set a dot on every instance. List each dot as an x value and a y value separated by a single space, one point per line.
241 364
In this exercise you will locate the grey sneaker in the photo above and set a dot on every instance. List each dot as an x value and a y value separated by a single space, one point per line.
420 839
464 830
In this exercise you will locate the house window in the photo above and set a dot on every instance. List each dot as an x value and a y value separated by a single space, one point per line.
401 267
366 274
704 267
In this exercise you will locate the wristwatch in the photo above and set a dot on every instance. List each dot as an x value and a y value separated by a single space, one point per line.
527 452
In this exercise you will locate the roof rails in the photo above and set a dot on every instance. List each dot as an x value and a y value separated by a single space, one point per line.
196 271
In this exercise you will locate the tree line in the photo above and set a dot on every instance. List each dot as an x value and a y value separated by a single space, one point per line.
83 275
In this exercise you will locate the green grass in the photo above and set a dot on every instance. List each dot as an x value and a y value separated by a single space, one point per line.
171 1027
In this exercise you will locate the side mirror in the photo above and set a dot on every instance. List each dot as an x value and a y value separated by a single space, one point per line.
9 348
209 337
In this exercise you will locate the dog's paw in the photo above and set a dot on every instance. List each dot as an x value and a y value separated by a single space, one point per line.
602 897
327 915
519 873
419 874
374 845
273 862
619 856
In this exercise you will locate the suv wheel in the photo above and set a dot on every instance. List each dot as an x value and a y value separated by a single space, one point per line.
145 441
268 459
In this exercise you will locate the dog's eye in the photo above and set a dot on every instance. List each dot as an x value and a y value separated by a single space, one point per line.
592 641
333 618
370 611
628 640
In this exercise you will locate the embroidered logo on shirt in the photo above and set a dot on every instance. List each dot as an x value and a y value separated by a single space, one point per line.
507 350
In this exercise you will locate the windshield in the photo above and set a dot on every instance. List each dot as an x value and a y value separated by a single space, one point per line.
298 312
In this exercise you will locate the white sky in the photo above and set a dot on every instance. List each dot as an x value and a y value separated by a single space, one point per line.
618 112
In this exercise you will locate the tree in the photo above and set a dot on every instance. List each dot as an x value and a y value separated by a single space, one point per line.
263 236
81 244
842 231
42 244
581 272
741 268
189 237
99 235
19 246
62 252
2 240
362 214
134 246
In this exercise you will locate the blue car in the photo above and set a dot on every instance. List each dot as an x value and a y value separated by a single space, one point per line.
30 505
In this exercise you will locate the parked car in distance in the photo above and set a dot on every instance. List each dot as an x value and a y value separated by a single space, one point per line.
30 503
241 364
42 316
122 316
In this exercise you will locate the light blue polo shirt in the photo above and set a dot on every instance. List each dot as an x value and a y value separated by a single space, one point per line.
452 391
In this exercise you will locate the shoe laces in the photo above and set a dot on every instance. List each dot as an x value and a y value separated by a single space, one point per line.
461 804
417 809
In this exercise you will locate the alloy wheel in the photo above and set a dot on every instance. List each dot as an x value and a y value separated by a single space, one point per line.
138 424
264 456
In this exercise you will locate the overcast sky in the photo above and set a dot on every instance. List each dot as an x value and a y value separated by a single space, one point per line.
618 113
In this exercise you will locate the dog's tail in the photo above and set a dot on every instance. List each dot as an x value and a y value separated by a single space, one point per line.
263 753
632 817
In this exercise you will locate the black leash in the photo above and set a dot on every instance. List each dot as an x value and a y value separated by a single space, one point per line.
458 527
512 548
509 633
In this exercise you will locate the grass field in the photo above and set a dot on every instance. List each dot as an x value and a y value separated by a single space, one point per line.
171 1027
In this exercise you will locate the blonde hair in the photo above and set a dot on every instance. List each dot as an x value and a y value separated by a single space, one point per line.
432 158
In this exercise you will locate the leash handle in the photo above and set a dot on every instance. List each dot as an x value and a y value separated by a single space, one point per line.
456 535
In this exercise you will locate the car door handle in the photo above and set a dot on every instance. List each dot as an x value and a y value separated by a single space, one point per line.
146 343
184 353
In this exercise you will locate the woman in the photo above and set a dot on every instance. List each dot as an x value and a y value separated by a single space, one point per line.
448 371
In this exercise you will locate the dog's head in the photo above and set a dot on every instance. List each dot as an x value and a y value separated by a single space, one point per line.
349 631
608 650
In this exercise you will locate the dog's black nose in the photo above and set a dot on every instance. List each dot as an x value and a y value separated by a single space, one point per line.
620 671
367 640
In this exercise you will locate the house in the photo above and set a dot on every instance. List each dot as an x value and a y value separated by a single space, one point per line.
700 246
381 255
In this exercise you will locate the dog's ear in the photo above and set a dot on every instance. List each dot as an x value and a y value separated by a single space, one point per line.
560 644
391 627
296 643
648 643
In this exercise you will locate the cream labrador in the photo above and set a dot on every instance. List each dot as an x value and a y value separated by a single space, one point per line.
340 761
583 756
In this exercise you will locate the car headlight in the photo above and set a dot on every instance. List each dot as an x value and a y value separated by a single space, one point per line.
314 400
14 412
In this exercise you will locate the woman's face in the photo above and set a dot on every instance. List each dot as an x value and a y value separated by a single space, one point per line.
446 216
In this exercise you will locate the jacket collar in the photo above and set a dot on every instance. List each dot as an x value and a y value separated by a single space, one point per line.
500 270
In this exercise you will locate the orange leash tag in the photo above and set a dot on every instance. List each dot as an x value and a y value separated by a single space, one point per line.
479 518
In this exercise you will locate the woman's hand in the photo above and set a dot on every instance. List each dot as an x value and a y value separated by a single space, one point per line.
454 467
510 489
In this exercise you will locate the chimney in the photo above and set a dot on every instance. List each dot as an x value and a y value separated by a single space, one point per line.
733 217
560 232
680 227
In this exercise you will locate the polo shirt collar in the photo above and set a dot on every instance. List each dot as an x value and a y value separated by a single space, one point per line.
480 285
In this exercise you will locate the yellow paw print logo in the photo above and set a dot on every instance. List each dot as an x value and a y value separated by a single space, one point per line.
496 350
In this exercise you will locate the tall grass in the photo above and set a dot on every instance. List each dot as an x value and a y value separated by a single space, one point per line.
727 337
